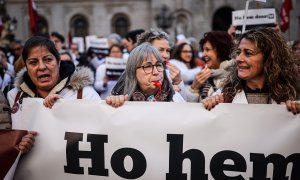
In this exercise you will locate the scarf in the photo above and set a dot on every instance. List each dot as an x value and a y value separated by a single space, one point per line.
165 93
206 87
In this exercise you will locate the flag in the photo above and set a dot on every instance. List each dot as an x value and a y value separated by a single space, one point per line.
33 15
286 7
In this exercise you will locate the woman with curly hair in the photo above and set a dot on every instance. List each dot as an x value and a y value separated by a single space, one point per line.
264 72
216 47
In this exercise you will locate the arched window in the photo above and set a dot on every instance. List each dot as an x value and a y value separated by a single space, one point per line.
222 19
79 26
42 26
120 24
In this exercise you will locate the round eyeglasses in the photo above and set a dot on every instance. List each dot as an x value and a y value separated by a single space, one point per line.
148 68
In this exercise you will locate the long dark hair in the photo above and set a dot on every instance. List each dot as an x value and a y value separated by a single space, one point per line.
279 67
177 54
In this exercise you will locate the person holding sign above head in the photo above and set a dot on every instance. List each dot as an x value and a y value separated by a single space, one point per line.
146 78
264 72
108 73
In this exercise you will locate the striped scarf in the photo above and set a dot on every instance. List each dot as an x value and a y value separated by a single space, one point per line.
206 87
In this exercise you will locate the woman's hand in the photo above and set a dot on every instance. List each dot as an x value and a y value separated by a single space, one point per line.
293 106
200 78
116 101
212 101
174 74
50 100
27 142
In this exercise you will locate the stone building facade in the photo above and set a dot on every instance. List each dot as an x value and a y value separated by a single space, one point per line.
102 17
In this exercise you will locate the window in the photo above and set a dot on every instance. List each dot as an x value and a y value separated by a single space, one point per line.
120 24
79 26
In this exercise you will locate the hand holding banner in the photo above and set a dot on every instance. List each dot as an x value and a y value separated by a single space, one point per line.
143 140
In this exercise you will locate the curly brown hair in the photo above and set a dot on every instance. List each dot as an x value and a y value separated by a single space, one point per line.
279 67
221 41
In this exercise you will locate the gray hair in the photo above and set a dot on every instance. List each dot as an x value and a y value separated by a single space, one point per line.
114 38
151 35
136 58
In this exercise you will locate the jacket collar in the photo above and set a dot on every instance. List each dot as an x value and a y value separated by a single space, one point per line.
69 77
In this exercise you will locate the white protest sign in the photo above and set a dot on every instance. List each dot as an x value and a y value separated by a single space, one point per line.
88 40
115 66
254 17
80 42
146 140
100 43
115 63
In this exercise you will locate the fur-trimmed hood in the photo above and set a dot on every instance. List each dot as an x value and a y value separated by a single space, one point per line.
74 79
83 76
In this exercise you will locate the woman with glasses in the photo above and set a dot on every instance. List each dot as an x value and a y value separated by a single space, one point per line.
183 57
104 82
146 78
264 72
159 40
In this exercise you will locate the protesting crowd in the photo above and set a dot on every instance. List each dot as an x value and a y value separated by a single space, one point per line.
257 67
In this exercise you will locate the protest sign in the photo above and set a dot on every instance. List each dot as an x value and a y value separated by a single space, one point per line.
114 67
255 18
98 45
143 140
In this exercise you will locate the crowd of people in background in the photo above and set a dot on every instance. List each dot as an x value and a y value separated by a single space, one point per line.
256 67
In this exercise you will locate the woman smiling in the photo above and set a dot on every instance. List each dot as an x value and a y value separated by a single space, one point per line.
264 72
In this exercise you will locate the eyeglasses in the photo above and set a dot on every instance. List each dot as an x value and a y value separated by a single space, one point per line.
148 68
185 51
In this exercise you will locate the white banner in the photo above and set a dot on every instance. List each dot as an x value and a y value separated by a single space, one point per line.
254 17
156 141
